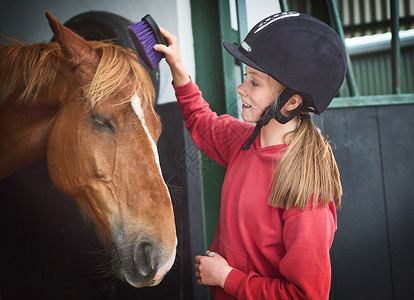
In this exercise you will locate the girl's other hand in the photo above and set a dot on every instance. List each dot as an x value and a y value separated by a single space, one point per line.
211 270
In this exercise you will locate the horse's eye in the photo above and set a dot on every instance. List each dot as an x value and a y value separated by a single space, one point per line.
103 123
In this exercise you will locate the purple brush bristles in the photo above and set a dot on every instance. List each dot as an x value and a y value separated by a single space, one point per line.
145 35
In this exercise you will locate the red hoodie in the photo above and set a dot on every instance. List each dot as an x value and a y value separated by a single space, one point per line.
276 253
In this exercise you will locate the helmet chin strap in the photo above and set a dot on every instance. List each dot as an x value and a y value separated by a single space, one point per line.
273 112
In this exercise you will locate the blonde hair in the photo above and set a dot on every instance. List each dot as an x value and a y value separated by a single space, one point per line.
307 170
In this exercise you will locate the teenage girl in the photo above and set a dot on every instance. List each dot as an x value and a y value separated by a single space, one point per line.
282 187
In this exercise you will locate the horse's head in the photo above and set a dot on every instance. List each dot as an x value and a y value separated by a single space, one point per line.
102 152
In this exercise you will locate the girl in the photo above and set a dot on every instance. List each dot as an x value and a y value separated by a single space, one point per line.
278 212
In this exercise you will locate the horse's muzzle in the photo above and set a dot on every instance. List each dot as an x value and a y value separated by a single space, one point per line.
142 263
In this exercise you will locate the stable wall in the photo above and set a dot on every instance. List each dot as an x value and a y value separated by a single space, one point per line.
372 253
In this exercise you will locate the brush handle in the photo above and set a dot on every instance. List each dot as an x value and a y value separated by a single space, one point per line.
154 27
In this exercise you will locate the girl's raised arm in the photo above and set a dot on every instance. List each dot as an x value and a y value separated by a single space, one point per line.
173 58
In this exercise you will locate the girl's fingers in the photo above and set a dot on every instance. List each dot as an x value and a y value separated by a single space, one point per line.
161 48
171 38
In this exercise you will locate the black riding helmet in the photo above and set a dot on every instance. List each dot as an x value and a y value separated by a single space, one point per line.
299 51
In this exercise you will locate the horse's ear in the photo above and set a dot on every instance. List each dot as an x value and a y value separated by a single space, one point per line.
73 46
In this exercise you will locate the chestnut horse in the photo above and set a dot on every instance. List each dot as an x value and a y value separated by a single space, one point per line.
88 106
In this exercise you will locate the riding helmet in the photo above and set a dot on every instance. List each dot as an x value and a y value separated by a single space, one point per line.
299 51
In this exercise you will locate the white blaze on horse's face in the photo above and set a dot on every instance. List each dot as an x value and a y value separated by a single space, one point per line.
137 106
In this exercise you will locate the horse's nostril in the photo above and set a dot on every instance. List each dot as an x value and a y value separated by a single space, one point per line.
144 259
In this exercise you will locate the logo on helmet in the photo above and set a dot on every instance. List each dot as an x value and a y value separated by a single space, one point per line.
246 46
266 22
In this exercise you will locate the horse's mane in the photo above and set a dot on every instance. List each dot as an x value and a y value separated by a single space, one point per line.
35 66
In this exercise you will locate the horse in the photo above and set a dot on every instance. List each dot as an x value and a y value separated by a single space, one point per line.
89 107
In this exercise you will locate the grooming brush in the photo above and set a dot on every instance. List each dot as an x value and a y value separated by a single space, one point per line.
145 35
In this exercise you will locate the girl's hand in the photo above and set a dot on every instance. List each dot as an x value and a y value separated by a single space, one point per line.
173 58
211 269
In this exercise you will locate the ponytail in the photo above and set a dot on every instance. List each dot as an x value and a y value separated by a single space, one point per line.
307 170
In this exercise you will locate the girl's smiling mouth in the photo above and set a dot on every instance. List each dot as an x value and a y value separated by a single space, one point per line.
245 105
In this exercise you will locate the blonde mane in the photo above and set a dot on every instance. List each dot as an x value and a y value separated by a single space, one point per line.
34 66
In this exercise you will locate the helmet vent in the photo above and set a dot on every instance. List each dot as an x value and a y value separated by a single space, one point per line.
269 20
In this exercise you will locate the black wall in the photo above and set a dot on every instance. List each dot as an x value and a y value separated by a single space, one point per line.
373 251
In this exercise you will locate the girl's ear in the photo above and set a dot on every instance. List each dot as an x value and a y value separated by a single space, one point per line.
294 102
